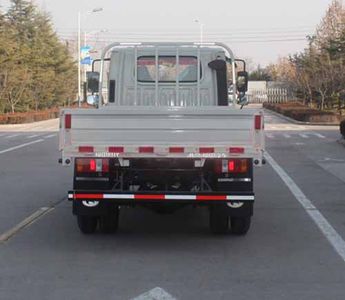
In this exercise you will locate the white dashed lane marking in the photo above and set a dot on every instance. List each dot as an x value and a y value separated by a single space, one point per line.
32 136
319 135
25 223
12 136
155 294
306 135
21 146
302 135
50 136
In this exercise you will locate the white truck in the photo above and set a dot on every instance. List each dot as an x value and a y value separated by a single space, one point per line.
164 136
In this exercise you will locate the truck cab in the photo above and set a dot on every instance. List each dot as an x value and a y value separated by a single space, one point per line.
177 78
165 135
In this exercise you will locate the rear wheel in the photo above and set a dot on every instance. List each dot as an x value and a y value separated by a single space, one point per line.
240 226
110 223
219 220
87 224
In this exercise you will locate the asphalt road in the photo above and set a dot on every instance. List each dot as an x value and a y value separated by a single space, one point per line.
286 255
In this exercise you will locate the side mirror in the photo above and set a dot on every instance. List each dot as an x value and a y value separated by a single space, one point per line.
92 100
92 82
242 82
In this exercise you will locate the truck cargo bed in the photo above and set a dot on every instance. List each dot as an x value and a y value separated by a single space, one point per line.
162 131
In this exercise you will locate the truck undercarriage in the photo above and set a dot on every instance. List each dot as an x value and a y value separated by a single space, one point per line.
163 185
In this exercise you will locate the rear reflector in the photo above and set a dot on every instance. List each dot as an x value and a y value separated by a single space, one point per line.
116 149
211 198
206 150
258 122
149 197
68 121
86 149
236 150
142 197
176 150
146 149
88 196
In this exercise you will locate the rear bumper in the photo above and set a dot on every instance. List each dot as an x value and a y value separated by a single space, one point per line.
136 198
98 203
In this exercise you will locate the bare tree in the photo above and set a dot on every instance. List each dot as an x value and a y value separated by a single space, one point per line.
15 86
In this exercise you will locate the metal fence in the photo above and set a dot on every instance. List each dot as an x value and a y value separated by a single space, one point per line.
271 95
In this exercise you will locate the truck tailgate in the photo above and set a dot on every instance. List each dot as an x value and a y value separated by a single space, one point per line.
152 132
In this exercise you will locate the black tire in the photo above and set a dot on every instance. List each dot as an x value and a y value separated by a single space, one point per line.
110 223
240 226
219 220
87 224
342 128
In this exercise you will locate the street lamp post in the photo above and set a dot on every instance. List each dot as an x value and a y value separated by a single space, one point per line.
79 58
79 49
201 26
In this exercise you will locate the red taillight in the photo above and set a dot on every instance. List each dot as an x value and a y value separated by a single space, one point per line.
238 166
82 165
105 165
218 165
93 165
68 121
231 166
90 165
258 122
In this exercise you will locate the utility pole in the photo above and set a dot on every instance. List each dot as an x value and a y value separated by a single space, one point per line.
79 59
95 10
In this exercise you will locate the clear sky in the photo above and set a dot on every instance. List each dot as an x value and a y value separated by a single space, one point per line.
262 30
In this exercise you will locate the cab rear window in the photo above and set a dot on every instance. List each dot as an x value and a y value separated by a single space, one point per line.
187 69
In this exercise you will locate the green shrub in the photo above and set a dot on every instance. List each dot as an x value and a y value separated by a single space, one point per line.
3 119
303 113
29 117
